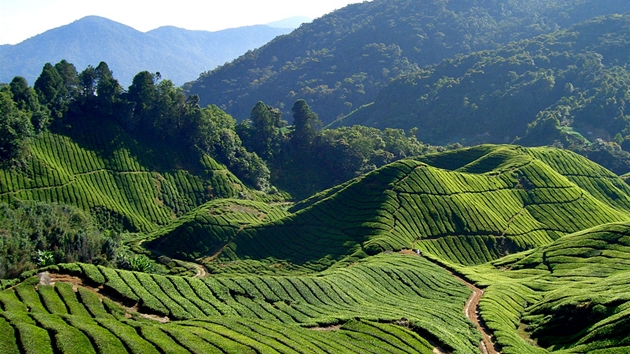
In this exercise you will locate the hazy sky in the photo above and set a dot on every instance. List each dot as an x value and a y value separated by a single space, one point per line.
22 19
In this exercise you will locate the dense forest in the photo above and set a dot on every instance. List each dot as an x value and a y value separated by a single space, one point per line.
341 61
568 88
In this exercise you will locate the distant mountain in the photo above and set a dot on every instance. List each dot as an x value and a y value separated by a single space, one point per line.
178 54
291 22
340 61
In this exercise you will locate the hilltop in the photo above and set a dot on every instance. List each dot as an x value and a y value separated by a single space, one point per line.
178 54
342 60
468 206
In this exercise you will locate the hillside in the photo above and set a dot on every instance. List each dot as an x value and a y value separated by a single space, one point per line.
341 61
569 87
468 206
178 54
544 231
130 184
571 295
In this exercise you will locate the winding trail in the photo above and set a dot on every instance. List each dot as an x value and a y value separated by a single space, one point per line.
471 310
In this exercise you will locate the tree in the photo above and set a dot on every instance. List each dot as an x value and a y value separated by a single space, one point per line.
26 100
51 90
305 125
265 133
142 93
70 77
87 86
15 127
107 89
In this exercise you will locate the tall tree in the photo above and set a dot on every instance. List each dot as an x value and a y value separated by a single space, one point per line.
26 100
266 130
305 125
15 127
70 77
50 89
107 89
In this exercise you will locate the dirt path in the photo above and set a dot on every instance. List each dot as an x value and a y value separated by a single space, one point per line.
471 310
47 278
202 272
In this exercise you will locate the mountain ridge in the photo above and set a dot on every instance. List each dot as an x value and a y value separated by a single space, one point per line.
178 54
340 61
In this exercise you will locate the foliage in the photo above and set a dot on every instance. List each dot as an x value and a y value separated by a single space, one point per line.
342 60
246 313
465 206
570 295
15 127
567 88
41 234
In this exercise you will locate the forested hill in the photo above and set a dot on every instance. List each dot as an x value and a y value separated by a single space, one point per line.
178 54
340 61
570 87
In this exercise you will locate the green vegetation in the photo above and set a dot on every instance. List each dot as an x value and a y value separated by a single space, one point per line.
272 313
41 234
320 275
570 295
343 60
466 206
392 239
568 88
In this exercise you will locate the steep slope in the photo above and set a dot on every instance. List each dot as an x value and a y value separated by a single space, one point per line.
571 295
340 62
469 206
178 54
125 183
570 86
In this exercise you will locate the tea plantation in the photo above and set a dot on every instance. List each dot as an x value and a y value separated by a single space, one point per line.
544 232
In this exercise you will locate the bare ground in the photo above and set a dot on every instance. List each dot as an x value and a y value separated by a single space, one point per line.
471 310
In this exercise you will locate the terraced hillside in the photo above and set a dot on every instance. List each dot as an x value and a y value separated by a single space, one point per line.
380 304
113 176
467 207
544 232
571 295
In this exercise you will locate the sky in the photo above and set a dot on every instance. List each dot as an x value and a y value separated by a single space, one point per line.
22 19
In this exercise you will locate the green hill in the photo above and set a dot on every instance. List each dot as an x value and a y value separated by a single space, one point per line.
126 183
468 206
346 310
341 61
544 231
570 295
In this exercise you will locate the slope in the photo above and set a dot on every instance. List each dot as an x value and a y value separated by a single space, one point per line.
340 62
468 206
127 184
568 86
178 54
570 295
390 303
